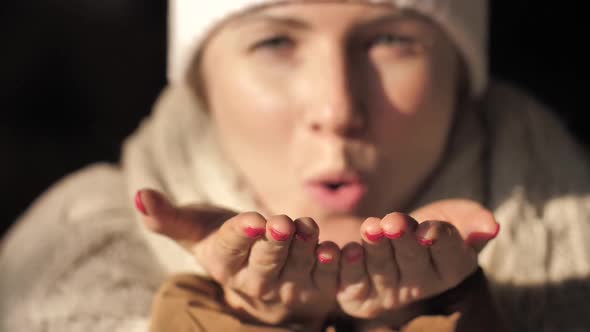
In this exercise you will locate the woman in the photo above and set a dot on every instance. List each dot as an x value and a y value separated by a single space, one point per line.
336 110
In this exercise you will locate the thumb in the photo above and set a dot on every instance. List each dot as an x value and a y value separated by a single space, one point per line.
186 225
476 224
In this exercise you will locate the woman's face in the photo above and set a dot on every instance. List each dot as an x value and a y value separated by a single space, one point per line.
331 109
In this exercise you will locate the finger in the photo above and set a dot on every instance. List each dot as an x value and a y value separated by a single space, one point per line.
354 280
479 239
325 273
380 259
301 257
475 223
412 256
184 224
452 258
228 249
268 257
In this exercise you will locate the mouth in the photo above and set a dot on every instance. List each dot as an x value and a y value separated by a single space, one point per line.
337 192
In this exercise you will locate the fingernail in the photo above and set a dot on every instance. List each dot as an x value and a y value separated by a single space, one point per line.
424 242
139 203
279 236
394 236
496 232
353 257
302 237
479 240
325 258
374 237
254 233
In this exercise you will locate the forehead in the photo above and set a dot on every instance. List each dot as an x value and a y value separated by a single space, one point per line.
311 15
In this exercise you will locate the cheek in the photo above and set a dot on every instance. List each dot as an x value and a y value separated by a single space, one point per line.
249 111
407 88
416 109
417 93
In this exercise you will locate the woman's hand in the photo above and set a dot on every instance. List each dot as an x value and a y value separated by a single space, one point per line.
404 259
267 267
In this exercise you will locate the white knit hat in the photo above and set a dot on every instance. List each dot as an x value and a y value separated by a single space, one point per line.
465 21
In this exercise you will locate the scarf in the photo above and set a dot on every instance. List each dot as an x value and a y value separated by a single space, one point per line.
508 153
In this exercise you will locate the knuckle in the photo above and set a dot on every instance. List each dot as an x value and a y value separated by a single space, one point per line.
411 293
220 273
262 291
358 292
407 258
372 312
306 297
381 271
225 246
388 299
301 264
266 266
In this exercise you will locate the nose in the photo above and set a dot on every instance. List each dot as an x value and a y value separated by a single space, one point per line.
337 108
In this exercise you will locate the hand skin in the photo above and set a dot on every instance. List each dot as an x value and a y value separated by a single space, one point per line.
274 270
407 259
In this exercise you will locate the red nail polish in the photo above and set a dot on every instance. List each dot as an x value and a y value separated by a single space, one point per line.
375 237
254 233
497 231
325 259
425 242
394 236
139 203
278 235
479 239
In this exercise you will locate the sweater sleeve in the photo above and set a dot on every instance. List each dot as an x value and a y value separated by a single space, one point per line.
467 307
188 303
75 261
539 265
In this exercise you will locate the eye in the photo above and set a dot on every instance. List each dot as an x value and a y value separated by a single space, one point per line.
392 40
276 42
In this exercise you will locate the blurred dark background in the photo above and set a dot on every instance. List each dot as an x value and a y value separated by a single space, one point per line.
77 76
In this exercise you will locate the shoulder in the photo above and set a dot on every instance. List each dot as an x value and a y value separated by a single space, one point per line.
75 256
531 148
540 193
539 175
94 189
539 188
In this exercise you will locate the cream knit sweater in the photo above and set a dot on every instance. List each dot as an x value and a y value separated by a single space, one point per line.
79 260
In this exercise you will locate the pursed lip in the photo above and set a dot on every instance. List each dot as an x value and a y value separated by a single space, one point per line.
340 191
